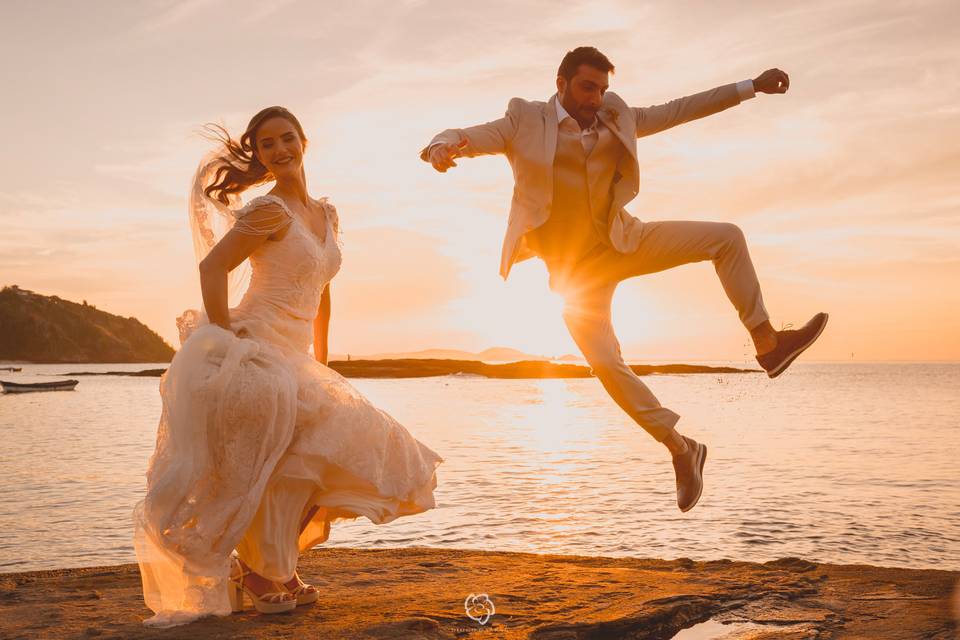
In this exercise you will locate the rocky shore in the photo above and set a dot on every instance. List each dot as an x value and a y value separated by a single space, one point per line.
425 368
420 593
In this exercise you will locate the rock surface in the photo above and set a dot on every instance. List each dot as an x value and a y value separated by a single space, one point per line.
419 593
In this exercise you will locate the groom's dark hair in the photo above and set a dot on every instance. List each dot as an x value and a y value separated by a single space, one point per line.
583 55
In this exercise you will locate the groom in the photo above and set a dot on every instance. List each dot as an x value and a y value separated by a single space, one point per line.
574 160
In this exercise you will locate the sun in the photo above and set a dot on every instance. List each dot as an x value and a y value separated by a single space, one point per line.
537 324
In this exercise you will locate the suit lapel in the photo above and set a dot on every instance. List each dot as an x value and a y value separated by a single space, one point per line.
631 145
550 130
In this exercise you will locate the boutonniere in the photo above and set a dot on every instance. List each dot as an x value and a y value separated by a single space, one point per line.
613 116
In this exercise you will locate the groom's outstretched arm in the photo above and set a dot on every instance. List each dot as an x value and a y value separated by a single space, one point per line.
482 139
659 117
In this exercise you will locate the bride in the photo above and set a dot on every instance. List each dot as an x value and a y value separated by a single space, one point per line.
260 446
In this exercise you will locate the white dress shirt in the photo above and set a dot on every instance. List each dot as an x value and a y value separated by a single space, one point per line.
588 136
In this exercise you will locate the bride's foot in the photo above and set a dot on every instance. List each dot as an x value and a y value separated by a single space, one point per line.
266 595
305 593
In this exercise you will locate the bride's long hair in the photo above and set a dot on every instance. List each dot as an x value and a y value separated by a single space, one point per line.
241 168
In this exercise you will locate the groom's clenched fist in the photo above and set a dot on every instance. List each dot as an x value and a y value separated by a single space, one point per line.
772 81
442 154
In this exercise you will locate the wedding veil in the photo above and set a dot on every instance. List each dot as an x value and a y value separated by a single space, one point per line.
210 220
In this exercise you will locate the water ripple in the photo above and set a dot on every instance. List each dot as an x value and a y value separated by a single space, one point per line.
824 469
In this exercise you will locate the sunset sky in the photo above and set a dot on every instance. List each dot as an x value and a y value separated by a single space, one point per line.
846 187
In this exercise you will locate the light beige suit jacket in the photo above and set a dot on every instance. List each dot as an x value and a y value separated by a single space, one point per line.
527 135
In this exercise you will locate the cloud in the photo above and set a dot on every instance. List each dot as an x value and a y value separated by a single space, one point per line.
173 14
850 172
393 272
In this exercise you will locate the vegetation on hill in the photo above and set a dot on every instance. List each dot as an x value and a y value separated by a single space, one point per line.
38 328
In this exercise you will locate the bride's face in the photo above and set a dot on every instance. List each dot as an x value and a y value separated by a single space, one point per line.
279 147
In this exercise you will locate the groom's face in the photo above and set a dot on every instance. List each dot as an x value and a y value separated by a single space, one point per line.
582 94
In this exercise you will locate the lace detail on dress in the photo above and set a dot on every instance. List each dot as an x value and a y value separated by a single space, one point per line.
262 217
188 322
333 220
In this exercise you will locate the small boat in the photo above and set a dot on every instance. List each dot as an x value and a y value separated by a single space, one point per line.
24 387
11 369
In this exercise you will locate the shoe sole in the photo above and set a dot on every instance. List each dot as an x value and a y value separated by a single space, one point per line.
247 604
239 599
702 461
308 598
796 352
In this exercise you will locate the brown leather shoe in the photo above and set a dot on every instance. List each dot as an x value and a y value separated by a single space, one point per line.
689 469
790 344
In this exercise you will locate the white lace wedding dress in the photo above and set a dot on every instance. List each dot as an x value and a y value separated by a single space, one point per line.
255 432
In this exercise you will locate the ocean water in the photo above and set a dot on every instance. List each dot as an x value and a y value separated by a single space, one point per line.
834 462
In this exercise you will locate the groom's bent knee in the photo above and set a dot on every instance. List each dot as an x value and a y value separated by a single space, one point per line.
730 233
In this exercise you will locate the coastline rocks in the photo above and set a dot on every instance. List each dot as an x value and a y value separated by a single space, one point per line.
420 592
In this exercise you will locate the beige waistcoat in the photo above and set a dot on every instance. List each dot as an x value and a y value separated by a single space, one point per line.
582 196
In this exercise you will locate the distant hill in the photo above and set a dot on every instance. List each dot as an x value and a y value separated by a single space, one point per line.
494 354
38 328
505 354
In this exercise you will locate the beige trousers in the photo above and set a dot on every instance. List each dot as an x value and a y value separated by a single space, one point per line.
589 285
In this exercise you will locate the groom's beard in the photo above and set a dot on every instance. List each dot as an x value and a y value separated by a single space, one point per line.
586 117
589 113
584 114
